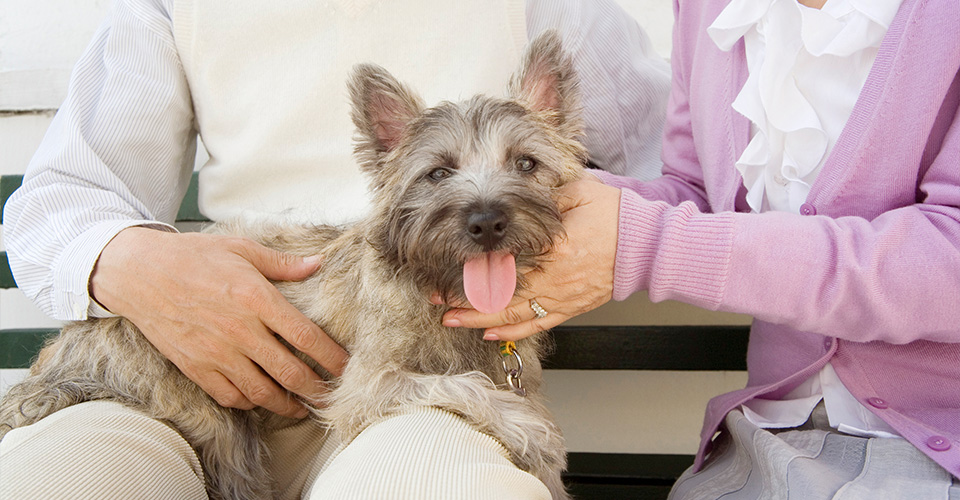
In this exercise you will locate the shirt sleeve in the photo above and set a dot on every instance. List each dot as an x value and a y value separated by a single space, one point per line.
624 83
680 175
118 153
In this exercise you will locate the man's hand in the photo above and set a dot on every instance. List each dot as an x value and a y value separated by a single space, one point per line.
205 302
576 277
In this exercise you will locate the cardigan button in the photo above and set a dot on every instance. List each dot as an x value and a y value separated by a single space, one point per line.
878 403
938 443
808 209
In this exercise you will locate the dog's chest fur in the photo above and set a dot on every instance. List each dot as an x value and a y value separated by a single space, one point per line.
368 306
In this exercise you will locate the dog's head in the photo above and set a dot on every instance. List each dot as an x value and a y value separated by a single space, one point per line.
464 192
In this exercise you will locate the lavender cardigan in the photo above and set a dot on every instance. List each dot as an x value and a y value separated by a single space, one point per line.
867 277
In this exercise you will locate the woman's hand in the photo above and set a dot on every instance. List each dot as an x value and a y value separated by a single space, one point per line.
576 277
205 302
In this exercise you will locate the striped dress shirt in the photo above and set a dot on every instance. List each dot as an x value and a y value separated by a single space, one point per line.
121 148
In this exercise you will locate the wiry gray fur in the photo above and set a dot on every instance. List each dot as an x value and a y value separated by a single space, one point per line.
371 293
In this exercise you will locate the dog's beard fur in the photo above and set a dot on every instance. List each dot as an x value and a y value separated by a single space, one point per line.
422 232
479 142
510 155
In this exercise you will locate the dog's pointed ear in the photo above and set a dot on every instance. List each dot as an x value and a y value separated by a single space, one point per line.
382 108
547 83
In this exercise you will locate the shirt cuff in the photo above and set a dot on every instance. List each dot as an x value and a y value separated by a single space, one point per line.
75 266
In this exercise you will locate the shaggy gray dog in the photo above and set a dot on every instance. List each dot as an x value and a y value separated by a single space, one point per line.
464 204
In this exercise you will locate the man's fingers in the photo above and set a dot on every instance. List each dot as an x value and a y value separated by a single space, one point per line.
276 265
223 391
286 369
239 383
304 335
261 390
328 353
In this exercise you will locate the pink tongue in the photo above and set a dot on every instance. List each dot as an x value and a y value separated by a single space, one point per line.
489 281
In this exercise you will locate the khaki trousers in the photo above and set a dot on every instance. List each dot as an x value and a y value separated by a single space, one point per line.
104 450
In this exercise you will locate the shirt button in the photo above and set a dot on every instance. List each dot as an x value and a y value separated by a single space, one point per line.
938 443
827 343
878 403
808 209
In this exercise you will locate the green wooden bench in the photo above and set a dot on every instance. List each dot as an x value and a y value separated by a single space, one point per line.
640 347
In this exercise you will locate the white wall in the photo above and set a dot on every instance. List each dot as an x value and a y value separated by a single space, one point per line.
653 412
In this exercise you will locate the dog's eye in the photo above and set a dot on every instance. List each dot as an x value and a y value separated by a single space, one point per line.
439 174
526 164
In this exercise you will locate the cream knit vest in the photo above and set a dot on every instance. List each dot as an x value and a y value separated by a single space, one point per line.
268 81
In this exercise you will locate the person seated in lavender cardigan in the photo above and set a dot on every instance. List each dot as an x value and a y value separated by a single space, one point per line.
811 161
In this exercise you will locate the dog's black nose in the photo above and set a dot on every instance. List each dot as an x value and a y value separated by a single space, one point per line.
487 227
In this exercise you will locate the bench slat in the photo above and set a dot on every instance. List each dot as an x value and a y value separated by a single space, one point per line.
646 347
685 348
8 184
623 475
625 468
6 276
582 491
189 209
19 346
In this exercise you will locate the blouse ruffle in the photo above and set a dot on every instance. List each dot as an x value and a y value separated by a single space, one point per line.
806 69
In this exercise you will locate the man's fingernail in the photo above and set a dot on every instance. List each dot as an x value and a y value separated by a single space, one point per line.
436 299
313 260
490 336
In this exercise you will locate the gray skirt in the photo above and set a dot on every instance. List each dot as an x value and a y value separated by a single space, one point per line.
813 462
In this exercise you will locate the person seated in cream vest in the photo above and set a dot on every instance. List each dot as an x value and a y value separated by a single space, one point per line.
89 234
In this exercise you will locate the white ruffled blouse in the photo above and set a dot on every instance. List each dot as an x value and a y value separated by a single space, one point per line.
806 69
